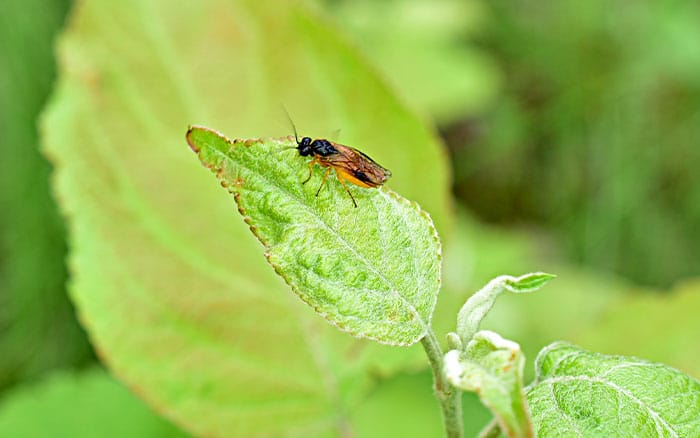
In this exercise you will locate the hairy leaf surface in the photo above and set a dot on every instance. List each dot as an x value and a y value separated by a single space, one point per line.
373 271
579 393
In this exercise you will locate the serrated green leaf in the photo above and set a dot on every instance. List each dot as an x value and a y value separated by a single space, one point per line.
580 393
493 368
77 405
373 271
173 289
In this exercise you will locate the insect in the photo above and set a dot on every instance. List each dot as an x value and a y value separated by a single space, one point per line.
349 164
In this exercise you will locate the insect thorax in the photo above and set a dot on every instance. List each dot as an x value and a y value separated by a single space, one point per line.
323 148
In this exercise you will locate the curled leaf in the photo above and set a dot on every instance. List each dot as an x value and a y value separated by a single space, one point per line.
493 368
478 305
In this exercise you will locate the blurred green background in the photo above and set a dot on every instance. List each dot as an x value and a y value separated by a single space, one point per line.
572 129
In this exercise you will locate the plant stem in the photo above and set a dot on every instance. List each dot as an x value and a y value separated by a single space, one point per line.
450 398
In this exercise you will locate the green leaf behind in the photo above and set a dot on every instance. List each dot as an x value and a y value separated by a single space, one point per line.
373 271
89 404
173 289
590 394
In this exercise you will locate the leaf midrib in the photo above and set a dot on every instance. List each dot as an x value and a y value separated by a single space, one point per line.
658 420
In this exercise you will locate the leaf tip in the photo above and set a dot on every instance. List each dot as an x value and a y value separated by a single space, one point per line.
190 140
528 282
200 136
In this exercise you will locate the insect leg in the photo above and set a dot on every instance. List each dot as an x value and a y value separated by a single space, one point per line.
325 177
311 165
342 182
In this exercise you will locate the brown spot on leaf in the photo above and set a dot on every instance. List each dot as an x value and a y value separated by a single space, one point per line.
394 315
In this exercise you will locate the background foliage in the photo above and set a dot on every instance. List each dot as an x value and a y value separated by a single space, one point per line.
593 132
38 331
572 130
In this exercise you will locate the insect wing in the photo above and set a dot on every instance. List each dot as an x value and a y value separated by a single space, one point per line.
358 165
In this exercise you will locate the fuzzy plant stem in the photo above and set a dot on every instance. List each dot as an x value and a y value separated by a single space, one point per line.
450 398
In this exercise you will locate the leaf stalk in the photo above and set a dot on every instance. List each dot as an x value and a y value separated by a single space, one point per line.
450 398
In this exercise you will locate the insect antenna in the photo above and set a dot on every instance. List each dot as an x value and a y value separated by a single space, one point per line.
291 122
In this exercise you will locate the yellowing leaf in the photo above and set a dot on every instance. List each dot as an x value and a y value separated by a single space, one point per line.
170 284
